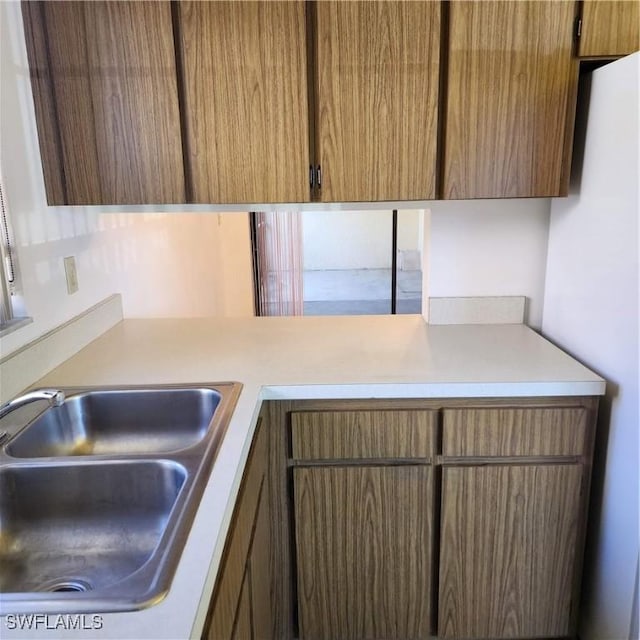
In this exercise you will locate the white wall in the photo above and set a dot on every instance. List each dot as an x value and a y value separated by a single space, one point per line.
163 264
236 261
357 239
346 239
469 247
591 310
488 248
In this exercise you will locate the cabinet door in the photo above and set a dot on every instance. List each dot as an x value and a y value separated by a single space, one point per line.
610 28
238 547
246 109
510 100
507 550
242 628
260 571
106 97
363 543
377 65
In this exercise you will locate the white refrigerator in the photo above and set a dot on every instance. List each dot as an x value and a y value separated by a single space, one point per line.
591 311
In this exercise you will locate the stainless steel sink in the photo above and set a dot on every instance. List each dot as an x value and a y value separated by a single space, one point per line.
83 525
100 527
121 421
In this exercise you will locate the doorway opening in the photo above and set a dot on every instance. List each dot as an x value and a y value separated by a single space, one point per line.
338 262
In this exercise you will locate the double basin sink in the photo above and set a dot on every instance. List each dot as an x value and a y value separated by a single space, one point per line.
97 495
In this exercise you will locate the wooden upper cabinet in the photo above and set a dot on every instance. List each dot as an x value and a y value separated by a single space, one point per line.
610 28
377 93
245 101
106 98
510 102
230 102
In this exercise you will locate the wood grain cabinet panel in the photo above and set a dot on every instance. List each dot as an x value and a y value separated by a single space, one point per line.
106 96
510 100
610 28
242 629
230 584
44 103
377 65
363 543
362 434
246 108
515 432
509 536
260 572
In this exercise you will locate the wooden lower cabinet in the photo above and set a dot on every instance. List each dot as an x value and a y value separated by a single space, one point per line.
260 573
424 518
242 628
241 594
364 559
507 550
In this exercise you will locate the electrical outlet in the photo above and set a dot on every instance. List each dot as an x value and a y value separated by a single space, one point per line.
71 274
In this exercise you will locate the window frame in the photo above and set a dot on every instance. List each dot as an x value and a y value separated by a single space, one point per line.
7 266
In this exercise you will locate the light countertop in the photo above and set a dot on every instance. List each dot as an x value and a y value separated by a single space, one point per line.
296 358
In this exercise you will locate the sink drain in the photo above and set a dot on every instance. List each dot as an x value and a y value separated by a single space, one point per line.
68 586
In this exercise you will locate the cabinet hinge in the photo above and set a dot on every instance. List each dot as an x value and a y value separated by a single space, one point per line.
577 28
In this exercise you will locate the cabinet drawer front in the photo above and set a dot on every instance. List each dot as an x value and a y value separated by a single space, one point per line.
321 435
514 432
